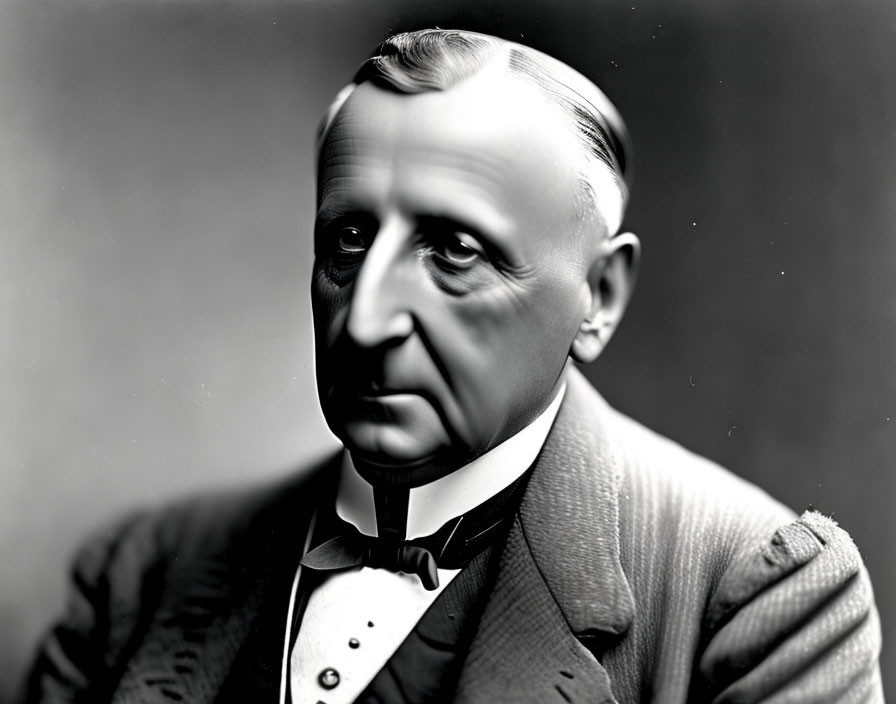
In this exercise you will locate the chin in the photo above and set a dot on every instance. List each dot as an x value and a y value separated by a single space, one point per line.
387 446
392 457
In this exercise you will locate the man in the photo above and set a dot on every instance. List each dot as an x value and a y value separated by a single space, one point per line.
494 531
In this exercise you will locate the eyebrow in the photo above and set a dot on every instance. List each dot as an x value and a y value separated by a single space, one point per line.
336 202
328 213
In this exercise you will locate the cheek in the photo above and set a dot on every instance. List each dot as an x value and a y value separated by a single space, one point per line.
499 351
328 304
540 323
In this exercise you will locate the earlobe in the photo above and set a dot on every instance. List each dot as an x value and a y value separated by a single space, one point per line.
588 342
611 281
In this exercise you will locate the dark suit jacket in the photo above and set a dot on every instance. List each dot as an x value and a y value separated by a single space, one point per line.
634 571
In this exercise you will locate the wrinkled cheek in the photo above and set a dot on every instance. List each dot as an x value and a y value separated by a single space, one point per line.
328 306
327 302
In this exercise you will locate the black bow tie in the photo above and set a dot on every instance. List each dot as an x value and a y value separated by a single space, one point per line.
345 551
451 547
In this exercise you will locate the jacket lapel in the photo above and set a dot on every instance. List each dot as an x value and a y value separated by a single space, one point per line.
560 597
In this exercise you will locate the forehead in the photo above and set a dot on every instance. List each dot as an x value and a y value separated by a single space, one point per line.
492 140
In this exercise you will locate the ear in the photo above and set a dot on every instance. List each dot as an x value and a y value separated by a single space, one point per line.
611 280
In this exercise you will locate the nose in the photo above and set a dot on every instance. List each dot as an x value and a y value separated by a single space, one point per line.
380 306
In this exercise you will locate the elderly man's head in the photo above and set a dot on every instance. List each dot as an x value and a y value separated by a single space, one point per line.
470 191
435 59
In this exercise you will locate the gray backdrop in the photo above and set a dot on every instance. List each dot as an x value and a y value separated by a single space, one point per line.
155 211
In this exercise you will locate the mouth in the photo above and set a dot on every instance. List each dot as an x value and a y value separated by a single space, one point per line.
378 402
386 405
366 390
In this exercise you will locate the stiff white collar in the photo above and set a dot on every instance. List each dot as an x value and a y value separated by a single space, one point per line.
432 505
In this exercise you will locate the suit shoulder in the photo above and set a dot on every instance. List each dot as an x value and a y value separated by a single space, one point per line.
769 604
193 551
794 619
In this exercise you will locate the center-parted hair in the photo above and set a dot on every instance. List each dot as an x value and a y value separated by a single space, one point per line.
437 59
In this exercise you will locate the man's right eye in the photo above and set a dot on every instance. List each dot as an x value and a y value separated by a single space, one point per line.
341 248
351 241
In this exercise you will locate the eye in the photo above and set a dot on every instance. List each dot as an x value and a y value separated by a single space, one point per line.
351 241
341 245
458 250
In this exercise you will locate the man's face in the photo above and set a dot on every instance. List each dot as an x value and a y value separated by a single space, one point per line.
450 270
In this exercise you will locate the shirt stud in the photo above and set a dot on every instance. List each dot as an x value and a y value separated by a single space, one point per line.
328 678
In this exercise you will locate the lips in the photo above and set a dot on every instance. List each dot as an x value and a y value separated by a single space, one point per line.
373 395
382 396
374 389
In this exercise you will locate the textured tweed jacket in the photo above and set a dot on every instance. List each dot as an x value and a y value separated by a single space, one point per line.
634 571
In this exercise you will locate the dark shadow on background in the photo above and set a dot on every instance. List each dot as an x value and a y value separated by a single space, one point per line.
155 228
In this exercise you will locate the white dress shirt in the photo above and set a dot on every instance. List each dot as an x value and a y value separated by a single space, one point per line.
356 619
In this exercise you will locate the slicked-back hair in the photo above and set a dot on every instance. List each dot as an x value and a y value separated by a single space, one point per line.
437 59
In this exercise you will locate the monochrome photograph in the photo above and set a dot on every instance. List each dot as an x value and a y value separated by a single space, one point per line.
419 352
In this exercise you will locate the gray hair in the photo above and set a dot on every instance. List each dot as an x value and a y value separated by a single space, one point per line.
437 59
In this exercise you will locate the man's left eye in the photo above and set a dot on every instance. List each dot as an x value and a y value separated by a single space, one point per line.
459 250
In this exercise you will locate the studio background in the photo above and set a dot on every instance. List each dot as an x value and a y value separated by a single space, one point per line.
156 201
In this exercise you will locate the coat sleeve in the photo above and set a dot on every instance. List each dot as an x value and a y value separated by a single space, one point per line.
77 658
794 621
